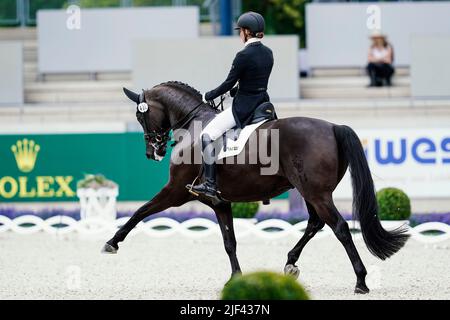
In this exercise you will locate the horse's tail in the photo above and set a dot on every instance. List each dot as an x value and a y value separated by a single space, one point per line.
380 242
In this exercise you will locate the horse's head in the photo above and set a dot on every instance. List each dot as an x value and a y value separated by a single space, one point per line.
152 119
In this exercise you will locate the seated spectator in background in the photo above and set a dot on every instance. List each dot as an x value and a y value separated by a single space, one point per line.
381 56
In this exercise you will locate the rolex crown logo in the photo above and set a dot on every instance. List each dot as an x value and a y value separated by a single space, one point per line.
25 151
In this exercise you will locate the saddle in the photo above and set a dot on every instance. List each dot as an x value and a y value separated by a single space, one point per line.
263 112
234 139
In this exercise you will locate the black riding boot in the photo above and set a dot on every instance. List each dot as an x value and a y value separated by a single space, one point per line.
208 187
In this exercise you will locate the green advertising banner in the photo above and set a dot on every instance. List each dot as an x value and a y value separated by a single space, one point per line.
46 167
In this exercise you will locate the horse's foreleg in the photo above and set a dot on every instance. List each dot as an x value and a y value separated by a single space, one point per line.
314 225
165 199
225 219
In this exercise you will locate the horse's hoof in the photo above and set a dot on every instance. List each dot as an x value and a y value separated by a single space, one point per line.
361 289
291 270
107 248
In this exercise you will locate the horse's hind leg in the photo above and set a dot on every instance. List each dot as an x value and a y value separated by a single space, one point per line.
314 225
330 215
165 199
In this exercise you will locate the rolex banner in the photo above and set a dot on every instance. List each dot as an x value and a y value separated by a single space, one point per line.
47 167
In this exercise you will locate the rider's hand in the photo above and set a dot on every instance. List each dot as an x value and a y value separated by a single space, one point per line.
233 91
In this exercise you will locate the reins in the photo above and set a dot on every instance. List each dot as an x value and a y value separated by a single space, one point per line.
161 137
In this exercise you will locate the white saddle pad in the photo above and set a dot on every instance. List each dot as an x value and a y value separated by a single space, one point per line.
235 147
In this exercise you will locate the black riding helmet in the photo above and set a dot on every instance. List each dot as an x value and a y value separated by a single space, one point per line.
252 21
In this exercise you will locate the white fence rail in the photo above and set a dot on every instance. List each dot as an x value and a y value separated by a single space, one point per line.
195 228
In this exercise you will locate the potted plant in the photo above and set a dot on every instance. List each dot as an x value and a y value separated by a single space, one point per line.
264 285
394 207
97 197
245 210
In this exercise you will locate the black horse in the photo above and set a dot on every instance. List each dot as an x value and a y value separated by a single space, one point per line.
313 157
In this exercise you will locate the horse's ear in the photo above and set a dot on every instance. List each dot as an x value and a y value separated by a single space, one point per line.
131 95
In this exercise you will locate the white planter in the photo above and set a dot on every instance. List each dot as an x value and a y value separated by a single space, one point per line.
394 224
98 203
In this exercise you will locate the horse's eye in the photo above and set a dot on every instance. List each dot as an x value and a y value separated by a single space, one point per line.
158 138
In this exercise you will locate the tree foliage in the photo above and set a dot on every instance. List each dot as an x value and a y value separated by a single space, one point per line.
282 16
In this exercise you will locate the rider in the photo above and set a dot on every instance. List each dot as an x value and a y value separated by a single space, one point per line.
251 67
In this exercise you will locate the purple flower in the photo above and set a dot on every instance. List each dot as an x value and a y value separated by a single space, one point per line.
177 216
292 216
419 218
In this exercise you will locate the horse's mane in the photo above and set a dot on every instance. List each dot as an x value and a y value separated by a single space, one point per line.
183 86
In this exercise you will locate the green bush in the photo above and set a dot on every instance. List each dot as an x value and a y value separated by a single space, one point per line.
393 204
99 3
95 181
263 285
244 209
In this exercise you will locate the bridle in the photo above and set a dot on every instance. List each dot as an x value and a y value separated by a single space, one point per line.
159 138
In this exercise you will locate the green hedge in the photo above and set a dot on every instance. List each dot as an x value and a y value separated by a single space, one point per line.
99 3
282 16
263 285
244 209
393 204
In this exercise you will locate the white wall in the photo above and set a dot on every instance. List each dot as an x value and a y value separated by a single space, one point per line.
430 66
103 42
204 63
414 160
11 72
337 33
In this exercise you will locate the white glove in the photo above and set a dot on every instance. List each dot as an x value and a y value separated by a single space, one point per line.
203 98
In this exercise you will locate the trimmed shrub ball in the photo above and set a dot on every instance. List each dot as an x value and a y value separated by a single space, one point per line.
393 204
244 209
263 285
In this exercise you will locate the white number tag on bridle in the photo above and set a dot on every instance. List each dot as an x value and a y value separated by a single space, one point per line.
142 107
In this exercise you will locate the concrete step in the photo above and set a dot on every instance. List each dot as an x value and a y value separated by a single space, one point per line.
386 112
30 77
18 33
343 72
353 82
71 86
30 67
51 113
30 51
75 91
74 97
68 77
31 45
354 93
30 56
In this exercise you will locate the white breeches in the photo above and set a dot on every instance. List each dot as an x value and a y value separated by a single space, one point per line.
220 124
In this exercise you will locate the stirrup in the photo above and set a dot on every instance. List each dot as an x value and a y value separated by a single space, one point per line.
190 186
215 198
